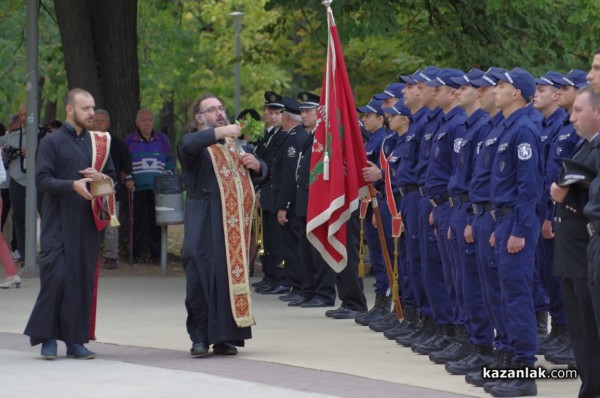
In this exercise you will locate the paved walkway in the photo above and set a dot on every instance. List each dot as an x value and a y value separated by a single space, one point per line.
143 348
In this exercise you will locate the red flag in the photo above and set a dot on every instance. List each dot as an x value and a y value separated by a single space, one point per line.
338 155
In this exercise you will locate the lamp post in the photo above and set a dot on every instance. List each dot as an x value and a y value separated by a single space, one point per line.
237 19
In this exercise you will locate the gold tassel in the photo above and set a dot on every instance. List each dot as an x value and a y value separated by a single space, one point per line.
361 251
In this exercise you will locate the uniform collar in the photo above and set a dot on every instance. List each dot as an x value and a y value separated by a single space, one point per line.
554 117
479 113
516 115
452 112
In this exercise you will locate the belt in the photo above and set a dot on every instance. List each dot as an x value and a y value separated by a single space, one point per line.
502 211
408 189
482 207
439 200
422 191
593 228
459 199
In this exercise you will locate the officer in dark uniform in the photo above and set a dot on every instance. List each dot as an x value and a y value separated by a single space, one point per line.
374 122
266 149
571 241
477 333
283 184
558 141
482 225
318 288
408 190
446 141
516 181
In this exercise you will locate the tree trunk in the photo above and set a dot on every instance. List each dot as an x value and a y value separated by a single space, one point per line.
99 42
114 32
73 18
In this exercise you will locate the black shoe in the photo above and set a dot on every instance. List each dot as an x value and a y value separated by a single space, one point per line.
279 289
292 296
199 350
563 356
316 303
224 349
346 313
437 342
479 357
263 283
514 388
111 263
401 329
49 349
298 302
555 341
389 322
78 351
454 352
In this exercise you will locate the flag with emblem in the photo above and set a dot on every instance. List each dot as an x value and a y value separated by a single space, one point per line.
338 155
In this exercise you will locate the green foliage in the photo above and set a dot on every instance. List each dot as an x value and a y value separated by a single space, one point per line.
13 53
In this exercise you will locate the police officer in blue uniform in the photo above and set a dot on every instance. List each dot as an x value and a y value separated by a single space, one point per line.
318 287
398 117
477 332
554 119
516 181
430 255
572 239
482 225
445 141
374 122
284 190
408 189
266 148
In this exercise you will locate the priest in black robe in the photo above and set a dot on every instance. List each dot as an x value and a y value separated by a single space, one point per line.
210 295
69 239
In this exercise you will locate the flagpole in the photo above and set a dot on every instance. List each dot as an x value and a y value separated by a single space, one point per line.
384 249
327 4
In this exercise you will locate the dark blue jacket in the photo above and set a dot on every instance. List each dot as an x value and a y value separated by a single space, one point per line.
434 117
407 173
444 151
476 126
517 171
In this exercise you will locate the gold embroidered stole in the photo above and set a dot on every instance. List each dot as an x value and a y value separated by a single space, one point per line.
102 207
237 203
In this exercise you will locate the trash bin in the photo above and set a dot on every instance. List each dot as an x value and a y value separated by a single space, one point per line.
168 193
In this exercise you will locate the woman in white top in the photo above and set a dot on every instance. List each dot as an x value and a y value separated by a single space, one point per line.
11 278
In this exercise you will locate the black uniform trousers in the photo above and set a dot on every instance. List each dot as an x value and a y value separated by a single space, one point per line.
144 225
290 234
349 285
583 332
273 256
319 277
594 276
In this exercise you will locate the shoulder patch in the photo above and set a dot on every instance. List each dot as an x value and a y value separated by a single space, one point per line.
524 151
291 152
457 144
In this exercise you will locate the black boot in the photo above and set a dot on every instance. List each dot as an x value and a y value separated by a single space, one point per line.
563 356
378 298
480 356
457 350
407 326
387 323
502 360
542 324
380 311
514 387
438 342
557 338
425 328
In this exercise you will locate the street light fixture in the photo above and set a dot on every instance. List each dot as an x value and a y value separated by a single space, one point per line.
237 19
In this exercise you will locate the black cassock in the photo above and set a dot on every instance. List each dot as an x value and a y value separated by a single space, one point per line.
69 240
210 319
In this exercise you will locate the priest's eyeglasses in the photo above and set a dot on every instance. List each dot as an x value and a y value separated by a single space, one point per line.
214 109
